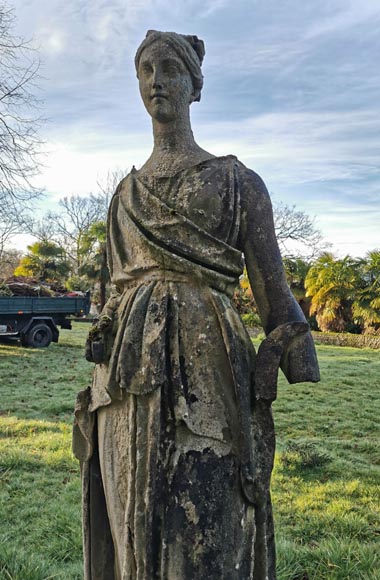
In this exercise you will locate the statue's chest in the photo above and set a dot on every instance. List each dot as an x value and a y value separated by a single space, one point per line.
200 201
204 198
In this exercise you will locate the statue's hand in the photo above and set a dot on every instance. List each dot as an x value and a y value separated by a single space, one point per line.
104 323
269 357
98 338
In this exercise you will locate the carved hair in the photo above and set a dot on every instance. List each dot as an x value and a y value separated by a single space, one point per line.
189 48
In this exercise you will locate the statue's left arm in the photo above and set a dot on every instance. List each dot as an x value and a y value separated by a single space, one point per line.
276 304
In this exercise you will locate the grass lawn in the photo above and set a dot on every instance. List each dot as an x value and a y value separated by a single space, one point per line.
326 484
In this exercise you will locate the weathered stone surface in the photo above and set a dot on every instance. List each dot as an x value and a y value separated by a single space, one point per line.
176 435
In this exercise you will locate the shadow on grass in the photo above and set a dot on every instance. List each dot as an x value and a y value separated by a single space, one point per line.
67 345
12 344
322 461
304 459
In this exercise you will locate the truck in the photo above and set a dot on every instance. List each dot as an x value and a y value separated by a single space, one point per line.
34 320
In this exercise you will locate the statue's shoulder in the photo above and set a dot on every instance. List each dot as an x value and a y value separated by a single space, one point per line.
255 204
123 183
251 185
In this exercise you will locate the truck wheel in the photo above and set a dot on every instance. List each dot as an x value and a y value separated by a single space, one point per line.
39 336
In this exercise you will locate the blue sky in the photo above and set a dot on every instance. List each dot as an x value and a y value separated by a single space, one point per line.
291 87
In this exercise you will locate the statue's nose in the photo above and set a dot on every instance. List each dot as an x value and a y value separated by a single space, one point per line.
157 79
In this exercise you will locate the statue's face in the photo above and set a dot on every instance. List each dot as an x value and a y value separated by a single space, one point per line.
165 83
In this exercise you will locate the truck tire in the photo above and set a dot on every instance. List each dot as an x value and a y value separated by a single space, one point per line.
39 336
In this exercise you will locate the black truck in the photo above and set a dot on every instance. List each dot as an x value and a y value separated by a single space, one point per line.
34 320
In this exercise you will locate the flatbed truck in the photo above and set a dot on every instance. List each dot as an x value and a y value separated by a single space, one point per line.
34 320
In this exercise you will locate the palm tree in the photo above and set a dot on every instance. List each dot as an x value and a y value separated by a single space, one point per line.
366 306
332 285
296 270
46 261
94 265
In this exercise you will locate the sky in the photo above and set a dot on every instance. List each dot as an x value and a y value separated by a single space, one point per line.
291 87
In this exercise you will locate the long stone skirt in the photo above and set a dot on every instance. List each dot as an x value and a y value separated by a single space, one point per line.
174 499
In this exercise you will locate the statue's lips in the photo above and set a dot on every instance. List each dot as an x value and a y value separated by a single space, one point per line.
158 96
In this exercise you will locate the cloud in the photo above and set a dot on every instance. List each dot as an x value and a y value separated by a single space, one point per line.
52 41
343 16
76 168
305 147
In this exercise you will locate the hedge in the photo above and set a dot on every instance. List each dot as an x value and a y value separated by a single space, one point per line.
347 339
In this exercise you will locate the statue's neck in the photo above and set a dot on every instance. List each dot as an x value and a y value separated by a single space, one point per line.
174 149
173 138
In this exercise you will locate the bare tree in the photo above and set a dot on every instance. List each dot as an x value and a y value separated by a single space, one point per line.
9 226
107 187
296 232
40 228
70 224
19 141
78 213
9 260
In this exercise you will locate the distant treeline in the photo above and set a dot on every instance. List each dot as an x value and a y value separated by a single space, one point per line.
336 295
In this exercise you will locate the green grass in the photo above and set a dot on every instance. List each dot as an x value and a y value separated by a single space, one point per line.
39 477
326 483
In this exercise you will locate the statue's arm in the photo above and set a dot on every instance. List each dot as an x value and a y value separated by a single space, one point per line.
110 307
100 338
275 302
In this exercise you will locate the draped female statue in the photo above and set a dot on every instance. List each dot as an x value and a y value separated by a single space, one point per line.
175 434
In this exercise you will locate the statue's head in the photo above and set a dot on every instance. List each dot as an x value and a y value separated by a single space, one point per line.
168 67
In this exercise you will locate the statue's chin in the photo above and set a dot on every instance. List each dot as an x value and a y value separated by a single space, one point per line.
163 111
163 117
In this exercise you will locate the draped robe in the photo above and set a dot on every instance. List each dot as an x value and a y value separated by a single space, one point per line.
176 450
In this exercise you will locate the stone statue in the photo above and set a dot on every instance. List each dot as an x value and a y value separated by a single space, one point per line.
175 436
